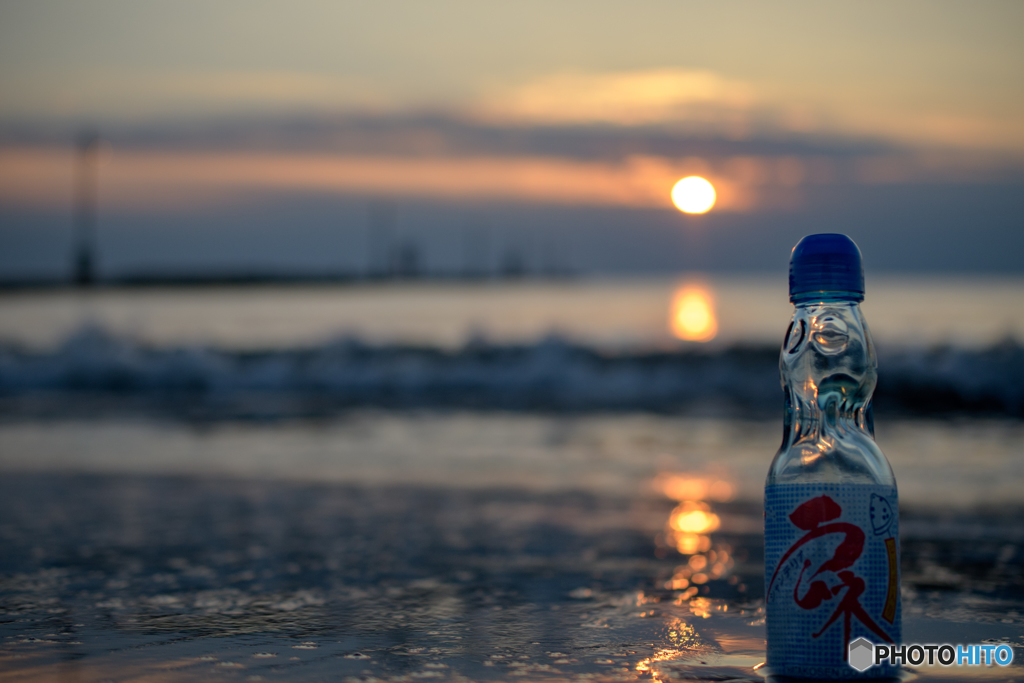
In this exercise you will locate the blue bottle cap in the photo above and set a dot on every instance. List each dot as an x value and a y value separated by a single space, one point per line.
826 266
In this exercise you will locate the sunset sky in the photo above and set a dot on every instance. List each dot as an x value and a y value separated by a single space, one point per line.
243 135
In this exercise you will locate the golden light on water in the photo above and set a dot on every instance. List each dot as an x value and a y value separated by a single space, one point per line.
683 637
692 317
693 194
688 544
694 518
689 527
684 487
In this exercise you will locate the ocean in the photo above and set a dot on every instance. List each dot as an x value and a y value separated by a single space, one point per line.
402 481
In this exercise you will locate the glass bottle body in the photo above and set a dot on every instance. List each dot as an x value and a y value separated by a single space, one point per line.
831 509
829 372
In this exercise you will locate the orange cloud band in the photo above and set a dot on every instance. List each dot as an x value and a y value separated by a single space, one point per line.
161 180
137 179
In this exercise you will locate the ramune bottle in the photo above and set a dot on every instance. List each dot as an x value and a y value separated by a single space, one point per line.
832 579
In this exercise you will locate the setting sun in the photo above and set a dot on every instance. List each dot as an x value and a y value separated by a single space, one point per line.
692 317
693 195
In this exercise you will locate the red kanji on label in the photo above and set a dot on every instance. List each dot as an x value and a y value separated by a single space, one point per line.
811 516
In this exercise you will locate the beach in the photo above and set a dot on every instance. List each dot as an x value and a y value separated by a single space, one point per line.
191 495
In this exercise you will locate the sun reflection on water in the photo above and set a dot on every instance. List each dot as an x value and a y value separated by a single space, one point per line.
692 315
689 527
683 638
693 517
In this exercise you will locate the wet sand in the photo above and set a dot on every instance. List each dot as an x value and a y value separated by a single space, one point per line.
458 547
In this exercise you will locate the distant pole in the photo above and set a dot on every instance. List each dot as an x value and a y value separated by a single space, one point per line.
85 209
381 261
476 251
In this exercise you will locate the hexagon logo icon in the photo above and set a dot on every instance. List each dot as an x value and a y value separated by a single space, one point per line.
862 654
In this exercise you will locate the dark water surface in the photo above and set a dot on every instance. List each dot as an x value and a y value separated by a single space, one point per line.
195 486
167 578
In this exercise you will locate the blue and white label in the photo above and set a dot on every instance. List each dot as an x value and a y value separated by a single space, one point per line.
831 575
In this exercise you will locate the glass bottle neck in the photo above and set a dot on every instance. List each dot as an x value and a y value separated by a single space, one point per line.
828 372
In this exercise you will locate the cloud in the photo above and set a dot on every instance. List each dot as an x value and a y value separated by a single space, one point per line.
162 180
179 180
696 102
130 94
627 98
705 102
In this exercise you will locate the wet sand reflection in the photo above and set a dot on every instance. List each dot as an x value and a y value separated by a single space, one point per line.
689 527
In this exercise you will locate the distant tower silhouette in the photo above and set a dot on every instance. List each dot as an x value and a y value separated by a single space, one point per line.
406 261
476 252
380 257
85 209
514 263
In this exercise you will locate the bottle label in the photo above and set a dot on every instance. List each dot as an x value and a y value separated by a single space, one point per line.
831 575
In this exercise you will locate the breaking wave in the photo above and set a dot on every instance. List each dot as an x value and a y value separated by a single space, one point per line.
94 370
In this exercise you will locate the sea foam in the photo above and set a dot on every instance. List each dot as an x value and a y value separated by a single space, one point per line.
550 374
